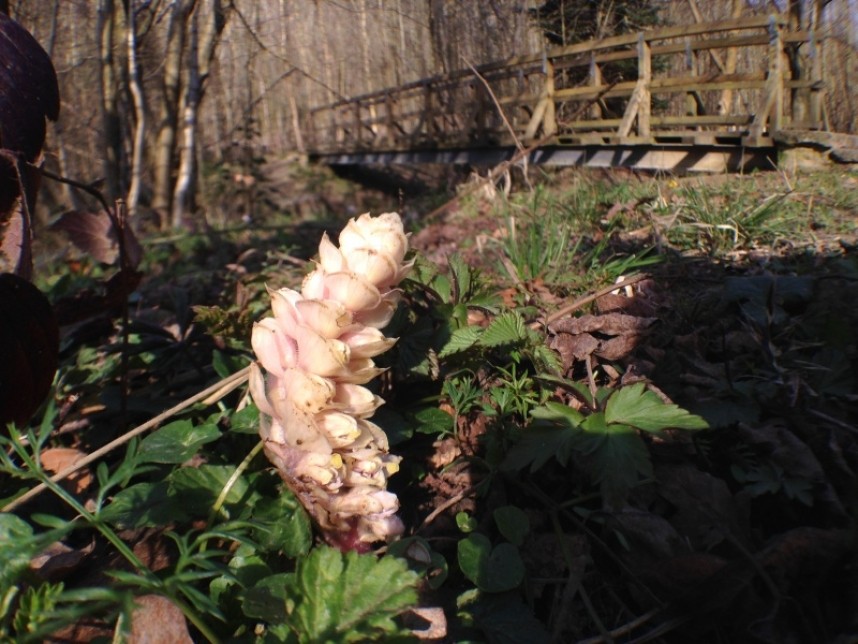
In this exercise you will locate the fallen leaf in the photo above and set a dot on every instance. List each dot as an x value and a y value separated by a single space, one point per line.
157 620
56 459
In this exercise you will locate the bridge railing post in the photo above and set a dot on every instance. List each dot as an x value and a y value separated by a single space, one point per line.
771 114
645 80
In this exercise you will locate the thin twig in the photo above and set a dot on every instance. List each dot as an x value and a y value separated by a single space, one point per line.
444 506
620 631
497 104
239 376
628 280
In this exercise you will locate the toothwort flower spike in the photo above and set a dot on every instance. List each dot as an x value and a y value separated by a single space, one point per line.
313 356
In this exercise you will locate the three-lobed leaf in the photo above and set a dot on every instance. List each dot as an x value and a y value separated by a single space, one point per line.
637 407
493 570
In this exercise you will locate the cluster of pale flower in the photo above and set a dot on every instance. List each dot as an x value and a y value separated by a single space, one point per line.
317 352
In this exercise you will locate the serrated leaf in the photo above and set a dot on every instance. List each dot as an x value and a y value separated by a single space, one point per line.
512 523
493 570
432 420
281 524
635 406
619 457
462 277
507 328
538 445
346 597
461 340
176 442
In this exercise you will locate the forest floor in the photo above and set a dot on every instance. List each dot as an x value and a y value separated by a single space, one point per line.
732 297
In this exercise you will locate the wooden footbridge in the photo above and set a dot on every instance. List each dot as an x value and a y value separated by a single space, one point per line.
701 97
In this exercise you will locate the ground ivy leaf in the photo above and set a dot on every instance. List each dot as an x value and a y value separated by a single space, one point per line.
512 523
143 505
199 488
490 569
176 442
346 597
635 406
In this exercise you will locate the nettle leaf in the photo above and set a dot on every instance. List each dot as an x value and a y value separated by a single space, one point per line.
461 340
619 455
347 597
507 328
635 406
493 570
176 442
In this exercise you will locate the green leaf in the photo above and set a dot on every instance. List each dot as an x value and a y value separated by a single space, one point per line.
461 340
431 420
421 558
199 488
512 523
505 619
282 525
555 434
245 421
462 277
493 570
619 457
17 546
538 445
267 599
144 505
346 597
507 328
635 406
176 442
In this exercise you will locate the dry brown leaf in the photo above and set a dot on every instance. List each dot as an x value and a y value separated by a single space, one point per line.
56 459
156 620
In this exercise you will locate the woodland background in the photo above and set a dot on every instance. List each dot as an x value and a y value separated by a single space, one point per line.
168 103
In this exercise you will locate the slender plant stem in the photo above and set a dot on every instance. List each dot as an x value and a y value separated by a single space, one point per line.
235 378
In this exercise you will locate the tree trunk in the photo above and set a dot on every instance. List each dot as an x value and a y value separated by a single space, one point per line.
111 127
207 23
136 88
165 145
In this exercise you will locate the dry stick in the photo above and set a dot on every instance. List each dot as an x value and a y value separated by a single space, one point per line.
625 629
497 104
226 385
444 506
583 301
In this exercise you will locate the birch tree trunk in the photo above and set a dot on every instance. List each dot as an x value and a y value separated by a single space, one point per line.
111 129
206 25
136 88
168 119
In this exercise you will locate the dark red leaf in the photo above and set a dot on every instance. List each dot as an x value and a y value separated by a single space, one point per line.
29 92
29 348
95 234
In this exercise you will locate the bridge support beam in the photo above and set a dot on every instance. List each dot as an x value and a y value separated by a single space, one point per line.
681 159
